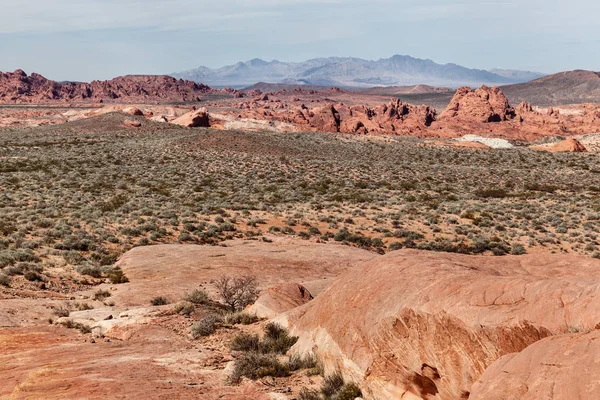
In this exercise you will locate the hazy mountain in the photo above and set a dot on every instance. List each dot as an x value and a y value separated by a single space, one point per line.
354 72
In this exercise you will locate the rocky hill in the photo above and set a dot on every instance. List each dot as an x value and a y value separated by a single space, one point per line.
18 88
571 87
398 70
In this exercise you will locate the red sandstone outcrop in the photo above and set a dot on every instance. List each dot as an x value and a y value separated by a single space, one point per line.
421 325
569 145
18 87
194 119
564 367
133 111
278 299
482 105
272 264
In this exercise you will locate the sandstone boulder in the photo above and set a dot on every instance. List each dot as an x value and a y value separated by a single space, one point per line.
421 325
194 119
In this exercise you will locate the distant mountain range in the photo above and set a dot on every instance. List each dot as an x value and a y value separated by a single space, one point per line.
354 73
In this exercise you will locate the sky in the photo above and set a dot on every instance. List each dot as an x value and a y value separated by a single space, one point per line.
83 40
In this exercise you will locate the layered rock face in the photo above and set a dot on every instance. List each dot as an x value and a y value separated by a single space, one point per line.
421 325
18 87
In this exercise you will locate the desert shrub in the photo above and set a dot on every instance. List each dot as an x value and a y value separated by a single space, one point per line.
309 394
517 249
62 312
495 193
116 276
277 339
73 257
394 246
310 361
159 301
6 228
332 384
70 324
83 306
349 391
185 237
184 308
246 342
23 268
11 257
90 270
255 366
206 326
241 318
341 235
4 280
237 292
101 295
33 276
197 296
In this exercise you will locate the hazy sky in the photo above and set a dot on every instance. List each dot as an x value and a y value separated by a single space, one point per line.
101 39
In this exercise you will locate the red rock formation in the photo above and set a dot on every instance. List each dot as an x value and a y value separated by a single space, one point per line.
563 367
278 299
17 87
423 325
194 119
133 111
569 145
482 105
